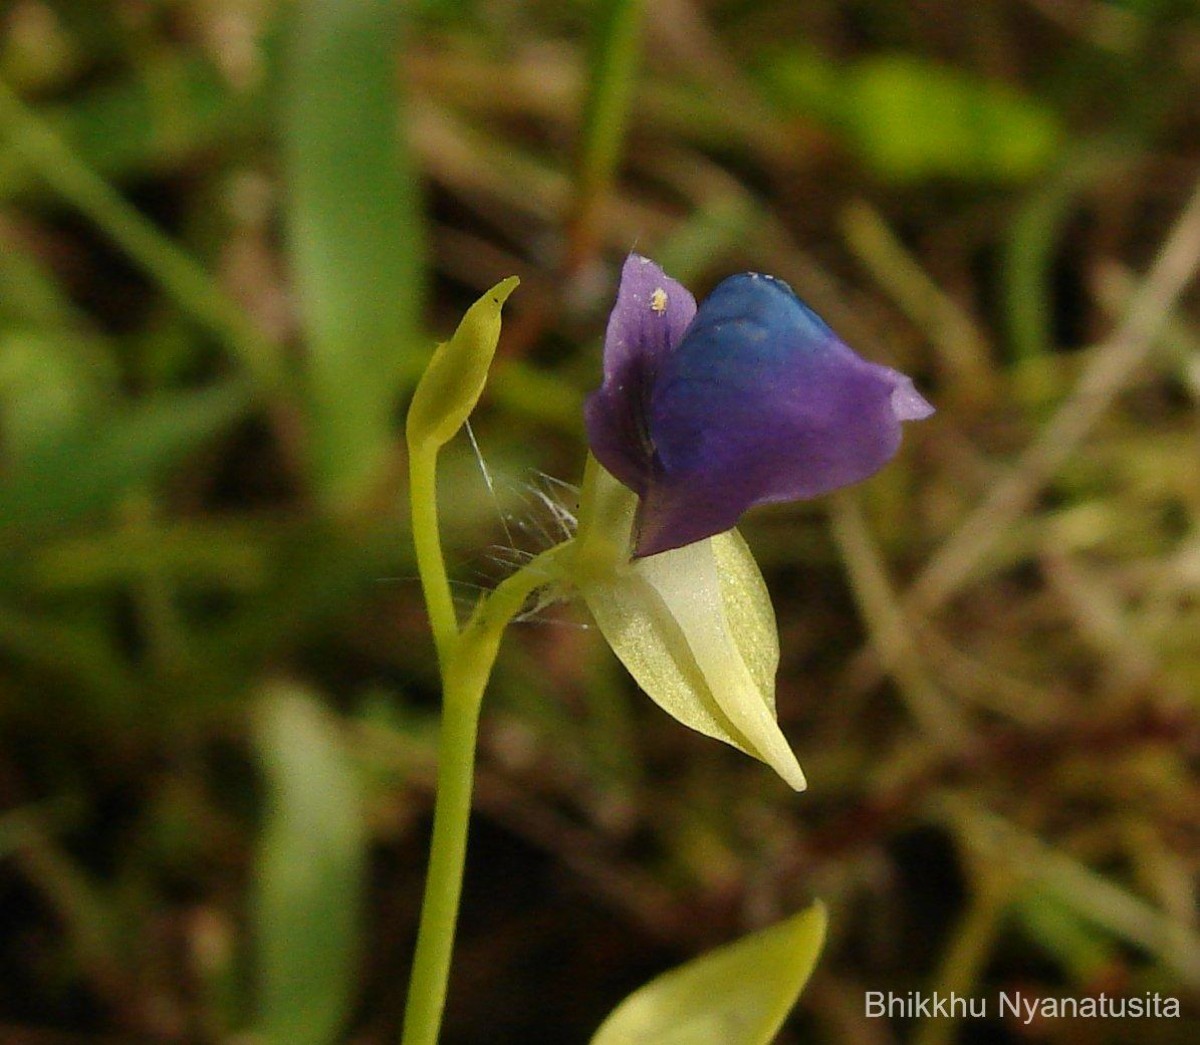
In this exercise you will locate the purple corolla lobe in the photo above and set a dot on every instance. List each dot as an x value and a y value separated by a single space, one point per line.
649 319
747 400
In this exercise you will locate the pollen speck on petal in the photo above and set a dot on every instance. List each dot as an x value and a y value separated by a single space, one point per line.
647 322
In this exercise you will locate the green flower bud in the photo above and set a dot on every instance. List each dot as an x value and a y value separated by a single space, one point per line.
454 379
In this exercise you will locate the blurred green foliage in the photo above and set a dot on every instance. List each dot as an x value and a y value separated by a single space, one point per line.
231 232
910 119
310 873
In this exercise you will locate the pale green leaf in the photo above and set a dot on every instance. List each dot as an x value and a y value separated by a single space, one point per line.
695 628
739 994
310 871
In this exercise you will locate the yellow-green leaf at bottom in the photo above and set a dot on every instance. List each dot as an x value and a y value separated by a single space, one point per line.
739 994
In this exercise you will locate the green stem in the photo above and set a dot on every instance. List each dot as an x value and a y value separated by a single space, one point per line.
602 538
466 667
615 57
192 288
447 857
427 545
962 965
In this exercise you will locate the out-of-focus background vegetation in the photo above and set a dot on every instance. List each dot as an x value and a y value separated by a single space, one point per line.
230 233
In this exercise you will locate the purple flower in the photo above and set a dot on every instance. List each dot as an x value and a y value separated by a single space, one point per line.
748 400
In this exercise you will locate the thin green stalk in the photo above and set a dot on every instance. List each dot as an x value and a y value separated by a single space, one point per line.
962 964
153 592
466 667
193 289
958 341
613 75
427 545
1034 237
447 856
443 400
943 722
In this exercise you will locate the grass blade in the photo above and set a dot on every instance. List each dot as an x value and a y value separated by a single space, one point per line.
355 231
310 873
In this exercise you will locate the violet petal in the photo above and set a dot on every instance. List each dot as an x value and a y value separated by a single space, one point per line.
648 321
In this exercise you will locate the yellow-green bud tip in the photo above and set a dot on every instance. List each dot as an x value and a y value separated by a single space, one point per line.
454 379
499 293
